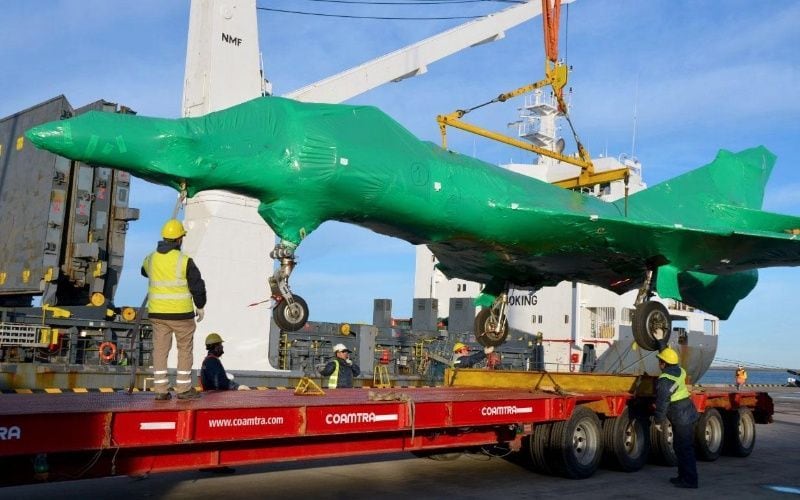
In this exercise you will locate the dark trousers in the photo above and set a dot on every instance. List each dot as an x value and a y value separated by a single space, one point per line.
683 444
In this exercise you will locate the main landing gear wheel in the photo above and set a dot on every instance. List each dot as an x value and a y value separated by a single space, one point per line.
485 329
291 317
648 319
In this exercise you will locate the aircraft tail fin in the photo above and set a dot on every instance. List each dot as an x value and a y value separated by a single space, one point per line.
727 193
732 180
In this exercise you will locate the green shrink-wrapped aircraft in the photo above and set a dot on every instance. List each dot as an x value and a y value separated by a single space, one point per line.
697 238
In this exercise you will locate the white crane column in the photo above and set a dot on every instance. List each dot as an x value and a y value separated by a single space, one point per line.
226 236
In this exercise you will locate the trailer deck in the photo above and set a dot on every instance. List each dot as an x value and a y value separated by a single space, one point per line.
121 433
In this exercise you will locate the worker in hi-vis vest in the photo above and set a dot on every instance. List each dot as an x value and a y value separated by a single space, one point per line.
741 377
175 290
674 403
340 370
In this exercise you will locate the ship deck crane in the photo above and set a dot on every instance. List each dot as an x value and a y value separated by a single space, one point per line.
556 76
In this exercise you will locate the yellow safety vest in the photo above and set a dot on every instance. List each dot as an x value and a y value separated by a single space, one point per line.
168 290
333 380
678 390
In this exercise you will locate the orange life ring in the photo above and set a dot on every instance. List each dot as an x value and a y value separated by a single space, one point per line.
108 351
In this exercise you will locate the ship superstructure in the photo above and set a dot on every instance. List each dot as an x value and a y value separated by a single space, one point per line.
580 327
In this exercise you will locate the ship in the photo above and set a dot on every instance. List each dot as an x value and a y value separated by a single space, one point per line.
579 327
97 339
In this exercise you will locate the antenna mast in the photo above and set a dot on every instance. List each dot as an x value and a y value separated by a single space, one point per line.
635 118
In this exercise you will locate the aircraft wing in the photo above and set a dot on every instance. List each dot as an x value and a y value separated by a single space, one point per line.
708 268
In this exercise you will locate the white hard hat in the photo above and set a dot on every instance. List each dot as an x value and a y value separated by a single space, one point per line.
340 347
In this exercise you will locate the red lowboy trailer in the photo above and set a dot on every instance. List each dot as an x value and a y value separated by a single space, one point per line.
564 423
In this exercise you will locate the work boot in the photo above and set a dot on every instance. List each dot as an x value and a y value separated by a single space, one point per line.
682 484
190 394
163 397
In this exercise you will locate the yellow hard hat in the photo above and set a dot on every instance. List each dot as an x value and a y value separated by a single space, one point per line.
213 338
458 346
173 230
668 356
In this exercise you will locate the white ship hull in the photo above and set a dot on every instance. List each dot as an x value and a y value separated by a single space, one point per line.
586 328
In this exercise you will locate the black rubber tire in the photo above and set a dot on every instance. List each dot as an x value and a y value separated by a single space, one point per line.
626 443
537 447
740 432
709 435
661 451
577 445
484 326
646 318
291 318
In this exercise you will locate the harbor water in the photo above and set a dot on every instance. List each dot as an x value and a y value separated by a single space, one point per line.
754 376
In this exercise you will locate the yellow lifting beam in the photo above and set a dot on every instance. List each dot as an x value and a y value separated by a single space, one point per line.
556 76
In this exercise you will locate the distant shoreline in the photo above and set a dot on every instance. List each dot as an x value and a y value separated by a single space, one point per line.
751 368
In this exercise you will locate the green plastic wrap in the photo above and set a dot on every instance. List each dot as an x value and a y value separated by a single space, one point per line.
310 163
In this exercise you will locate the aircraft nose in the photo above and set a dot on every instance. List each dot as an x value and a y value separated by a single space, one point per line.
53 136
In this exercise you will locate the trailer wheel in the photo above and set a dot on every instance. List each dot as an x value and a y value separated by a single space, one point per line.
625 443
740 432
647 318
537 447
291 317
484 329
661 451
708 435
577 444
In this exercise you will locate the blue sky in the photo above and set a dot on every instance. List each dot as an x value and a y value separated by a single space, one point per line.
709 75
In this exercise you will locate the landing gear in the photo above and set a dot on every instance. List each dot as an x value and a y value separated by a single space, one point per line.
651 322
491 323
291 317
291 311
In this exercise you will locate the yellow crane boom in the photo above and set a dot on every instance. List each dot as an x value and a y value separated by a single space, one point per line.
556 76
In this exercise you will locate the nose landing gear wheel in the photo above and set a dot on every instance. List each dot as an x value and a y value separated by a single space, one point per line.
291 317
648 318
485 326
